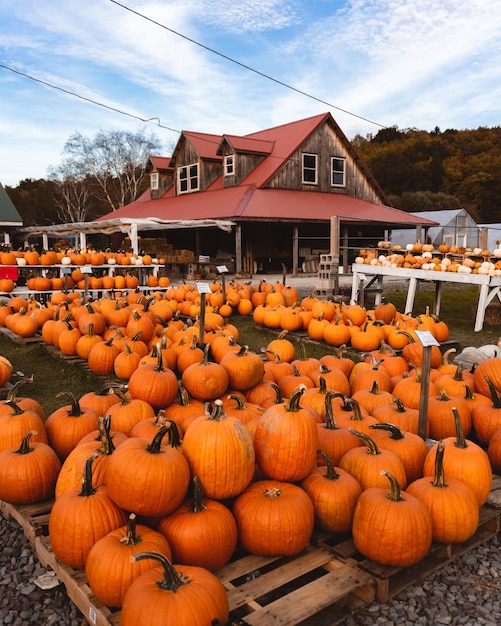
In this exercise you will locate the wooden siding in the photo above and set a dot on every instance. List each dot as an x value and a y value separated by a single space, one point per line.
165 182
325 144
186 154
243 165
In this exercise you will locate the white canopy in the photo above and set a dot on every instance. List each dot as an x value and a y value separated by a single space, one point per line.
130 226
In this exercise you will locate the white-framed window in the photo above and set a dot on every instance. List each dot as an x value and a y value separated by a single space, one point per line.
229 165
187 178
154 180
310 168
338 171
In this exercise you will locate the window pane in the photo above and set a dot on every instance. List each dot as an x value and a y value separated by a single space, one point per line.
309 176
309 160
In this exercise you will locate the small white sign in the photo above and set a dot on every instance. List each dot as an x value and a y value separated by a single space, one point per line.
222 269
426 338
203 287
362 277
86 269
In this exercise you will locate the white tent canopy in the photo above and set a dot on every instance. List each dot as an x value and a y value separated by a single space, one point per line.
124 225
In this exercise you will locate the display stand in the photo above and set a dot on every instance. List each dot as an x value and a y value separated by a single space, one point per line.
489 286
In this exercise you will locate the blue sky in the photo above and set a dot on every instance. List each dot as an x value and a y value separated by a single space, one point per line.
408 63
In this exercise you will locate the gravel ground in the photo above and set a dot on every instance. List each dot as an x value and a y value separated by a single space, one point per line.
467 591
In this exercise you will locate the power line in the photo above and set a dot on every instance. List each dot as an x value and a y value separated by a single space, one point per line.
247 67
150 120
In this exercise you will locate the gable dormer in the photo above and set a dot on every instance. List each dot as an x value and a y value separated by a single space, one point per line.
240 156
195 162
161 176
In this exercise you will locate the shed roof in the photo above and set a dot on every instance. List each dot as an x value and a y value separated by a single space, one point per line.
8 212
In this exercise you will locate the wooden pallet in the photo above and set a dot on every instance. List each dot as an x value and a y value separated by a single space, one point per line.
322 586
389 580
37 338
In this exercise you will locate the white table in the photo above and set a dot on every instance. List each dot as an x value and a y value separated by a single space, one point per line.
365 275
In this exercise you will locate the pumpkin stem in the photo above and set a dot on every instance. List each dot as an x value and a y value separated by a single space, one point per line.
439 477
369 442
75 410
171 580
197 506
496 402
107 446
292 405
12 393
330 473
217 413
87 488
155 447
396 433
131 537
174 435
274 492
460 438
25 448
330 422
394 493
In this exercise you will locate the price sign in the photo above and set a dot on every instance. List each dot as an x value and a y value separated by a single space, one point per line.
426 338
222 269
203 287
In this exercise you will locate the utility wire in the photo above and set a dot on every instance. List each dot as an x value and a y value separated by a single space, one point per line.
150 120
247 67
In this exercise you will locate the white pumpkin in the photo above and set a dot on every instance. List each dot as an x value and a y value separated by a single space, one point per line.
21 261
65 260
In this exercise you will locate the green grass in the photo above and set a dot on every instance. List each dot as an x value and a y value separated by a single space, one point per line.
53 374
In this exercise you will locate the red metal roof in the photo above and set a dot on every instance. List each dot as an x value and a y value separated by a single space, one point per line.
205 144
247 144
161 163
246 202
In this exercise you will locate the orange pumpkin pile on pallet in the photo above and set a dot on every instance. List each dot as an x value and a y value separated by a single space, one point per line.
216 446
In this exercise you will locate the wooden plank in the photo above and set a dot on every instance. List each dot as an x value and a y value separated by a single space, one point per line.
76 585
306 601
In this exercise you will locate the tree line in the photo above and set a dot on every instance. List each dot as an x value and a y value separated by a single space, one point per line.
418 170
426 171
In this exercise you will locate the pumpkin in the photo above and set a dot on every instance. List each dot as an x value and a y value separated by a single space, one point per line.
174 595
28 473
286 440
282 347
391 526
110 569
410 448
147 477
494 451
366 463
154 384
102 357
15 422
102 445
486 418
220 452
485 371
332 439
206 380
274 518
68 424
128 412
334 494
80 517
402 417
465 460
452 503
440 416
202 531
184 409
244 368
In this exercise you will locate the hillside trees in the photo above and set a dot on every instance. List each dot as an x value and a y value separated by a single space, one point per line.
422 170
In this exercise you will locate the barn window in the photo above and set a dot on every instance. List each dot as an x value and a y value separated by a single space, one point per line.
338 172
187 178
310 168
154 180
229 165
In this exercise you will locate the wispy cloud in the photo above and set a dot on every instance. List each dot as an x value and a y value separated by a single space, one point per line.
410 63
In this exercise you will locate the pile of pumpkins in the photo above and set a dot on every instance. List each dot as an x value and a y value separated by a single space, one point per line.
423 256
158 481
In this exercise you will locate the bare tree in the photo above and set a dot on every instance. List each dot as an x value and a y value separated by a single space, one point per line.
72 195
117 160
